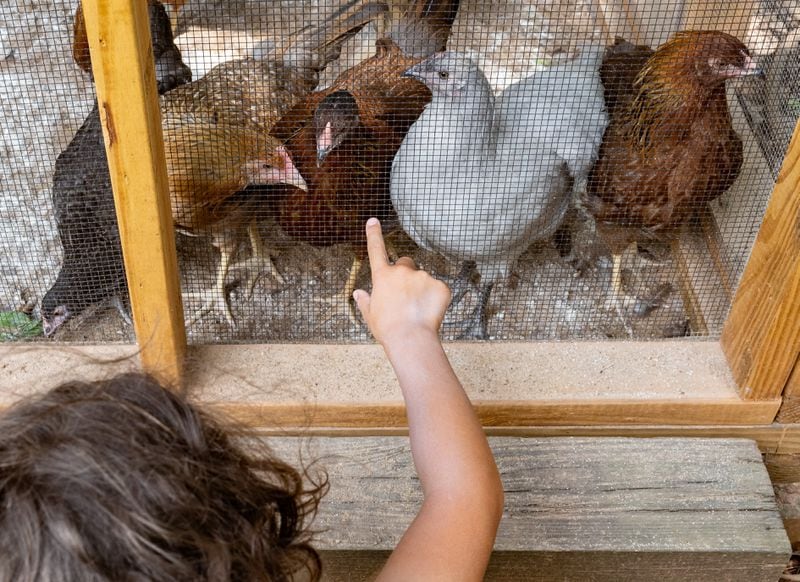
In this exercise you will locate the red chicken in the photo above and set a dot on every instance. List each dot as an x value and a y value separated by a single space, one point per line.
343 139
670 147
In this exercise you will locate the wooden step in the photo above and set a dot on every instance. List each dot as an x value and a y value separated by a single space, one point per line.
605 509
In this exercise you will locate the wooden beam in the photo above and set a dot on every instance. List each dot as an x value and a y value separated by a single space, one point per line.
576 508
761 337
780 439
288 415
122 59
677 382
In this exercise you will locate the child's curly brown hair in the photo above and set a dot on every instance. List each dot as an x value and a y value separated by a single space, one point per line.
124 480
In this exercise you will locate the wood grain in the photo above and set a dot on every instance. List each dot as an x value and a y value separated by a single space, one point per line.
789 412
761 337
783 468
689 505
793 385
579 567
287 415
122 58
773 438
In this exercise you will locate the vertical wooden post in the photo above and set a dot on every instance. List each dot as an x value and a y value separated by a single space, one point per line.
122 62
761 337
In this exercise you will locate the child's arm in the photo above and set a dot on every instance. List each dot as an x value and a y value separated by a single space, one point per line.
452 536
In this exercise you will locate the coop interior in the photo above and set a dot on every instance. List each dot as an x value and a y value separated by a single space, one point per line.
575 169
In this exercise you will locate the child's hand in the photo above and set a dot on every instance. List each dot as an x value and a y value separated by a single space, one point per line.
404 301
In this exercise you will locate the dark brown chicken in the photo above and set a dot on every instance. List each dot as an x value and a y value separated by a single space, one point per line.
670 147
343 139
216 137
80 43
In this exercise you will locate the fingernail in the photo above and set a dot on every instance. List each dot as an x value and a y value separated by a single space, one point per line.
372 221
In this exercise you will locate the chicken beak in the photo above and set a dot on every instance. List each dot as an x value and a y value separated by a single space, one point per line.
324 143
290 174
293 178
413 73
749 69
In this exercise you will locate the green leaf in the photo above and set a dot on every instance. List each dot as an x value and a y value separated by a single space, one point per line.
16 326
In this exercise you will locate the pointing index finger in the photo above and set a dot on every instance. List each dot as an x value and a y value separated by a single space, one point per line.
375 246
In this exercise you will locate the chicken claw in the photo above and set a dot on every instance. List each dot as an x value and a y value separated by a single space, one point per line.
475 327
345 296
259 263
215 298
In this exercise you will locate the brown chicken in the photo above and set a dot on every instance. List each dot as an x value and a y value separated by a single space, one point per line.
343 139
216 137
670 147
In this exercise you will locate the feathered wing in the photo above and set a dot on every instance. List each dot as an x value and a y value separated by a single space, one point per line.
622 63
560 109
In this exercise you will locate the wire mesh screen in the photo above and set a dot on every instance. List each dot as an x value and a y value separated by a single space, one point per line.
573 169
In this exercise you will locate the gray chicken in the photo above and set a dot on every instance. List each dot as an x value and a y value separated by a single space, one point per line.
479 179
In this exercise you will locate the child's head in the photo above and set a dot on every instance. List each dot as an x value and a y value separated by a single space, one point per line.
124 480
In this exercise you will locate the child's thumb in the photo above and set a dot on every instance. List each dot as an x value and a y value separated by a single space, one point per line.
362 299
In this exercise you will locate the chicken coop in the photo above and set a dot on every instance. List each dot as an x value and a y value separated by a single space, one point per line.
611 188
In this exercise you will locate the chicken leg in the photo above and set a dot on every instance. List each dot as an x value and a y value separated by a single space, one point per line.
345 296
260 261
216 298
478 322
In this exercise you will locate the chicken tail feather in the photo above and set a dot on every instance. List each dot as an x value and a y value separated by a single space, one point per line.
315 46
425 26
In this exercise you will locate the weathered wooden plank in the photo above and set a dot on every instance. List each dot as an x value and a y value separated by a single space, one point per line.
688 505
783 468
122 60
578 567
761 337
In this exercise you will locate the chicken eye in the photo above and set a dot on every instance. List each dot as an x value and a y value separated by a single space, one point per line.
443 74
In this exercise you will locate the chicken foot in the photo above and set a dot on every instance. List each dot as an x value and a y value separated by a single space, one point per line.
616 294
624 304
345 296
477 324
215 298
260 261
461 283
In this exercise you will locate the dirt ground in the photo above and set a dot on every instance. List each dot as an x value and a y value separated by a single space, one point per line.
45 98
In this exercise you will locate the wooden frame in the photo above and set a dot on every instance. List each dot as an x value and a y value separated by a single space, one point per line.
122 62
761 338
